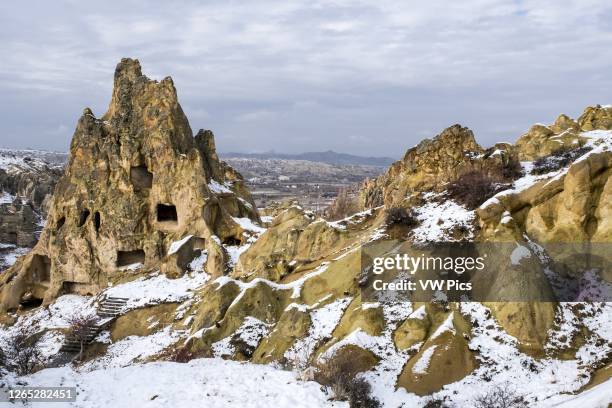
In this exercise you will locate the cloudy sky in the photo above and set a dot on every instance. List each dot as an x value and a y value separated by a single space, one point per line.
363 77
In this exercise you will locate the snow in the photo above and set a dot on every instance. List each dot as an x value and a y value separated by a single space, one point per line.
599 396
295 286
419 314
438 219
422 364
219 188
157 289
132 349
234 252
446 326
248 225
519 253
599 140
213 383
176 245
6 198
10 253
197 264
48 320
323 322
132 267
266 219
251 332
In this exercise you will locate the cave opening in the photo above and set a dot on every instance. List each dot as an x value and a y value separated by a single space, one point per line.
30 302
125 258
40 268
83 217
97 221
231 241
61 222
141 177
166 213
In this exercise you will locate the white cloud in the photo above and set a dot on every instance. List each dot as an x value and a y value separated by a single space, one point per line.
360 65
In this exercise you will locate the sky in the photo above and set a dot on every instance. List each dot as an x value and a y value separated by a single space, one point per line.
362 77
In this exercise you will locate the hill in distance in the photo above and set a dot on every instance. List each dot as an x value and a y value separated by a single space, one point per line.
329 157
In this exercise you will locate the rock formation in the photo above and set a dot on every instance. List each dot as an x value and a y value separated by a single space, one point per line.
142 194
137 181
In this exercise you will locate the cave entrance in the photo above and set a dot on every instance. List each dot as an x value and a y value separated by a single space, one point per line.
61 222
83 217
141 177
40 268
231 241
199 243
29 301
97 220
125 258
166 213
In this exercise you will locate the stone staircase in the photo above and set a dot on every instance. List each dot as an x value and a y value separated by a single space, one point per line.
108 309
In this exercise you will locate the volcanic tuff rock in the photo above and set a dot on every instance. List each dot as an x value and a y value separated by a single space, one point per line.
542 140
137 180
433 163
26 184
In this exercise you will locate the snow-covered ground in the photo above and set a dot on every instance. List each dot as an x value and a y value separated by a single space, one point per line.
209 383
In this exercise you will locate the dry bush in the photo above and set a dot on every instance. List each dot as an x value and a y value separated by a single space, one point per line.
22 356
339 373
400 216
473 188
182 355
500 396
512 170
81 327
433 402
558 159
344 205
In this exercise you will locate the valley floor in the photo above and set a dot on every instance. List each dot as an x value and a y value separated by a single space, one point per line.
200 383
213 382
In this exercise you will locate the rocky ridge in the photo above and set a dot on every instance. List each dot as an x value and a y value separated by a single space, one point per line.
118 204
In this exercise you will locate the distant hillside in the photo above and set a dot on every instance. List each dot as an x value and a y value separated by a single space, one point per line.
329 157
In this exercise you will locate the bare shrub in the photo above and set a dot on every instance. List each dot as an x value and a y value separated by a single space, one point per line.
82 327
400 216
299 359
500 396
183 355
512 170
433 402
558 159
339 374
344 205
22 355
473 188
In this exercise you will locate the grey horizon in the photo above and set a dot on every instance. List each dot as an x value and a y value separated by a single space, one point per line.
364 78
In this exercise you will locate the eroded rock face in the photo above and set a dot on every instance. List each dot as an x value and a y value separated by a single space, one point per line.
18 223
26 185
433 163
137 180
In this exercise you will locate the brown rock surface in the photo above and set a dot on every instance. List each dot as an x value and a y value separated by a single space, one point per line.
137 180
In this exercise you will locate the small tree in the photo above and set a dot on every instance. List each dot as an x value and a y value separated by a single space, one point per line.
400 216
339 373
81 328
474 188
22 355
500 396
344 205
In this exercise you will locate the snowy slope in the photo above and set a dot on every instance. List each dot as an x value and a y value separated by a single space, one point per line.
200 383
